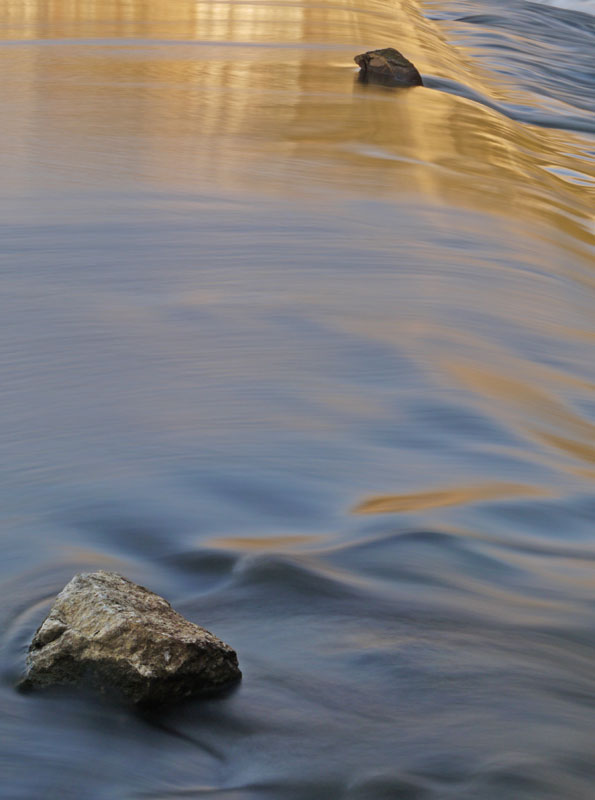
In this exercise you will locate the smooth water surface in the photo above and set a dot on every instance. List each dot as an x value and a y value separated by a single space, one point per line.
314 360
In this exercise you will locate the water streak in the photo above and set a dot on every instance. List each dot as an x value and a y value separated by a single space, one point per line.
247 296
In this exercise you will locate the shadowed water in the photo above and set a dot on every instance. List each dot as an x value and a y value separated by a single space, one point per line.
314 360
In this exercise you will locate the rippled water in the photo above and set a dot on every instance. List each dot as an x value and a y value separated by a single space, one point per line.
315 361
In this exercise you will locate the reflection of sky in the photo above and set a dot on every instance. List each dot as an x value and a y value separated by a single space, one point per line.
301 228
244 297
196 101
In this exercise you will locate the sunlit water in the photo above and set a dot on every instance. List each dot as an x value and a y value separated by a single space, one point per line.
315 360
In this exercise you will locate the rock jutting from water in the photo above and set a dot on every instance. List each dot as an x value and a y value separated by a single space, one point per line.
111 633
388 67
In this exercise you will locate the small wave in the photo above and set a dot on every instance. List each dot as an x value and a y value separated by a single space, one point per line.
570 175
526 115
291 578
386 786
539 53
586 6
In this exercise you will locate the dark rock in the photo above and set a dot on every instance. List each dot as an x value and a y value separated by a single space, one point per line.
387 67
107 631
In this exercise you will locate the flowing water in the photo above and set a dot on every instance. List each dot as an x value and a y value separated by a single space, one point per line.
314 360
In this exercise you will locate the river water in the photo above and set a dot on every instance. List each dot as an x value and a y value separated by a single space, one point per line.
315 361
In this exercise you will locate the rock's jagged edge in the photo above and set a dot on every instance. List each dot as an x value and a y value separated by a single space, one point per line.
108 632
387 67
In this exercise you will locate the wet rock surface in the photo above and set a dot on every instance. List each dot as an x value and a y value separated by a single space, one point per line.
109 632
387 67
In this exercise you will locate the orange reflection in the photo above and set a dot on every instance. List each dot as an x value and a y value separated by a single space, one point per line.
533 409
261 97
263 543
442 498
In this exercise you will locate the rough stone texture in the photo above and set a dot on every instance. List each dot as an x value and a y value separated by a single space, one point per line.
107 631
388 67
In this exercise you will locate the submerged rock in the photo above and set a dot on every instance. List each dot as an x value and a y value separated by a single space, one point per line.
113 634
388 67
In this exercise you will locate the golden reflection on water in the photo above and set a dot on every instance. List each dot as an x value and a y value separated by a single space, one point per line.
265 543
262 97
444 498
537 413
